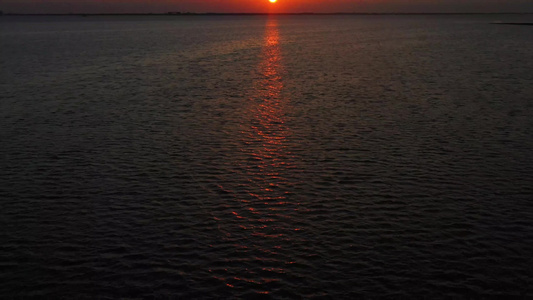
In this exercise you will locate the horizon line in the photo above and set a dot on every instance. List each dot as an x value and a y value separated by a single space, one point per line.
177 13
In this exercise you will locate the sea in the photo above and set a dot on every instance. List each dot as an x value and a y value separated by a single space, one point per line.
266 157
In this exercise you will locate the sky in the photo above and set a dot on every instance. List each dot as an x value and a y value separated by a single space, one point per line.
263 6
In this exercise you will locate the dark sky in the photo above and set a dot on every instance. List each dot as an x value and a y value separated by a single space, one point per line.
157 6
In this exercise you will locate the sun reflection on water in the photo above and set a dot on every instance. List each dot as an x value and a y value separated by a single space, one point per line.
268 130
261 225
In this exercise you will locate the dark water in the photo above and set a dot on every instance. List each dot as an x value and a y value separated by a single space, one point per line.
282 157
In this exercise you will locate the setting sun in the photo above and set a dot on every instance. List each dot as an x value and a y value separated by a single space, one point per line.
272 1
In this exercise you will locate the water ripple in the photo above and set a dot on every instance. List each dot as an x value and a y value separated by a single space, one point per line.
254 157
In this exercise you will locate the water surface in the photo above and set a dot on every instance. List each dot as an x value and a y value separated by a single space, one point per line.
283 157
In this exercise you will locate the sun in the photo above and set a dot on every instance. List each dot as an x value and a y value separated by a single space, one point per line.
272 1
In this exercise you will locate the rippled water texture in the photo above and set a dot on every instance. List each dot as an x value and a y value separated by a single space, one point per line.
283 157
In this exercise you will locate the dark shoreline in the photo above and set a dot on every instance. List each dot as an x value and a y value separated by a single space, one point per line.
262 14
521 24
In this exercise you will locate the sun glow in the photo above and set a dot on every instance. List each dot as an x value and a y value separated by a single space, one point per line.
272 1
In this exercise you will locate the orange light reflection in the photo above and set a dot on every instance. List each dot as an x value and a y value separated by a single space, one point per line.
264 215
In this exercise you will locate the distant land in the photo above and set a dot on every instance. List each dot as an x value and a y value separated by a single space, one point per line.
507 23
250 14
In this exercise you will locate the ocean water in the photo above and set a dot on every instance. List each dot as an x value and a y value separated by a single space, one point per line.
266 157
